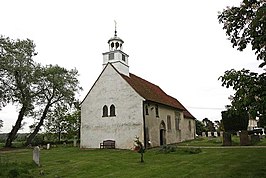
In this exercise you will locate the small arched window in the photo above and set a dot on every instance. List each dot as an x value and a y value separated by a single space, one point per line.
157 111
146 110
116 45
105 111
189 125
112 110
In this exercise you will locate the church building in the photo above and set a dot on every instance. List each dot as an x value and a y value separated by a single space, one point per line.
121 106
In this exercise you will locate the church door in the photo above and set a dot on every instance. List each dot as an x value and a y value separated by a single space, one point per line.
162 133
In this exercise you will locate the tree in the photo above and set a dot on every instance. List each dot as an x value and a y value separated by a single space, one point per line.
1 124
245 25
17 81
199 127
250 90
218 125
64 120
57 86
209 125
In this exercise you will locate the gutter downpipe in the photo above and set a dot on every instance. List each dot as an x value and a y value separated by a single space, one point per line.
144 125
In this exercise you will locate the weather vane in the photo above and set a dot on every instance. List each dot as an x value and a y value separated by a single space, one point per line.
115 28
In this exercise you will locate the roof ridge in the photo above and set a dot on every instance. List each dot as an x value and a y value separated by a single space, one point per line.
154 93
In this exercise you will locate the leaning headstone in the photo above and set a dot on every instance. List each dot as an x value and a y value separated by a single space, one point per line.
209 134
75 142
48 146
36 155
203 134
215 134
244 139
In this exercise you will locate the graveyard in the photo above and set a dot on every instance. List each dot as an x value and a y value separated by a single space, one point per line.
213 160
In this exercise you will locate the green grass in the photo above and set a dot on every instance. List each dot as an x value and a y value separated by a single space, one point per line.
73 162
216 141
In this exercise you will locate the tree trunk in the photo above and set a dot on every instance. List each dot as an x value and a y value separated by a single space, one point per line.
141 157
12 135
59 135
37 128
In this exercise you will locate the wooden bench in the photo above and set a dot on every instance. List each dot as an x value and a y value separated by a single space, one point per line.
110 144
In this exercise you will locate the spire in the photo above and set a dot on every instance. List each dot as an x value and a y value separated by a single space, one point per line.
115 28
115 55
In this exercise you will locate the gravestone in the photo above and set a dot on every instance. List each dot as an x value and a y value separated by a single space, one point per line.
203 134
221 134
227 139
75 142
255 138
238 133
48 146
36 155
215 134
244 139
209 134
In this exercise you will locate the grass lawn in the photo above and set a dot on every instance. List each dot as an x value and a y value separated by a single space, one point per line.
73 162
216 141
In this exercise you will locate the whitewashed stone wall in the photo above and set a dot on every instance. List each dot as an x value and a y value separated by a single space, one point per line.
173 135
111 88
187 134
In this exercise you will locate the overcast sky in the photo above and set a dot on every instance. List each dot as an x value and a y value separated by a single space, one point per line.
177 45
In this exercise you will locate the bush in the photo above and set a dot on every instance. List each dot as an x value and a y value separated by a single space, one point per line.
167 149
192 150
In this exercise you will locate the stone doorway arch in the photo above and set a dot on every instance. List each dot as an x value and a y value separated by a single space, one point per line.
162 133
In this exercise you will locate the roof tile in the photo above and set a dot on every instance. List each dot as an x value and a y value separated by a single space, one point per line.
154 93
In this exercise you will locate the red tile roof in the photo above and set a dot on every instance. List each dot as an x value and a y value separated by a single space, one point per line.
154 93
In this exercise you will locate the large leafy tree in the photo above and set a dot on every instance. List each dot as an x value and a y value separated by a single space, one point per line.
199 127
57 86
250 92
17 78
64 120
246 25
209 125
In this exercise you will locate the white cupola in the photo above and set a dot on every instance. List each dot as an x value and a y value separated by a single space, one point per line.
116 56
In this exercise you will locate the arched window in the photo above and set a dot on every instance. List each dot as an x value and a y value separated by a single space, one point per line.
116 45
112 110
105 111
169 122
189 125
146 110
157 111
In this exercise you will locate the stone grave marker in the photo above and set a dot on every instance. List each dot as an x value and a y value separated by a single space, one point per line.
75 142
203 134
209 134
221 134
215 134
36 155
237 133
227 139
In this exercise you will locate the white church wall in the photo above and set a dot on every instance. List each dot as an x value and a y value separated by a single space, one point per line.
110 89
187 130
172 135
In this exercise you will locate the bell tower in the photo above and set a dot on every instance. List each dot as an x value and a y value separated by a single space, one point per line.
115 55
